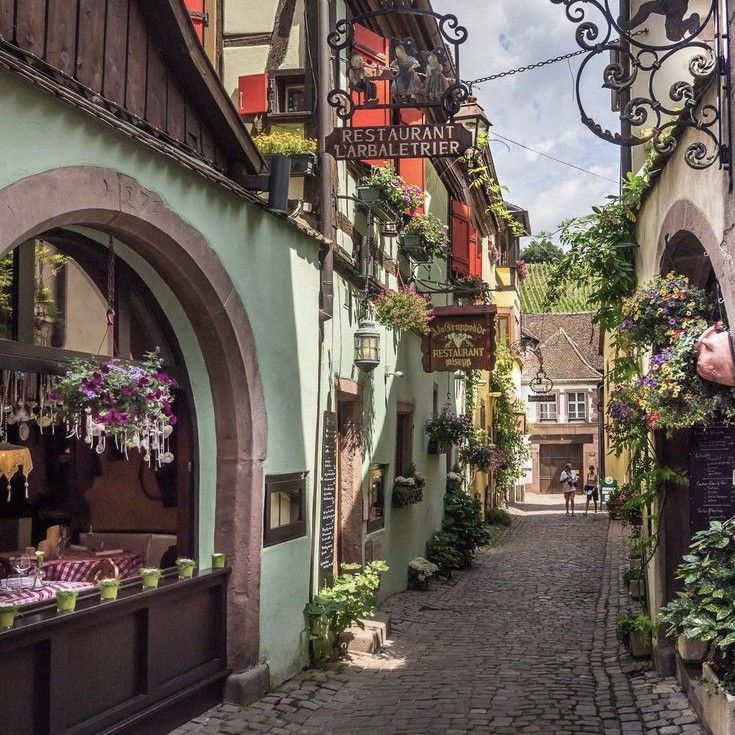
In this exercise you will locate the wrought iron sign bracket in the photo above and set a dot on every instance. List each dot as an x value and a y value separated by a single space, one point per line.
655 109
417 78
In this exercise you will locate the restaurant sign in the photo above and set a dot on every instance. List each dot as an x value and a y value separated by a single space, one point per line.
399 141
460 338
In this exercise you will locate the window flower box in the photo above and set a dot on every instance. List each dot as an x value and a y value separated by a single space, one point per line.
302 164
408 491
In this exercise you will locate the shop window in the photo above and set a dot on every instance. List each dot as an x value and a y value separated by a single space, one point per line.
290 92
404 438
285 516
547 410
577 406
376 498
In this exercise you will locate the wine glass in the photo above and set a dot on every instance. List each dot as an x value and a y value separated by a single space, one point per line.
23 566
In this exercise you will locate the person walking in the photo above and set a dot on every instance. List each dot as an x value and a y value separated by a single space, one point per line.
591 488
569 483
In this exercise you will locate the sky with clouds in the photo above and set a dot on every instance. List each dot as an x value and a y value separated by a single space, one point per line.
537 108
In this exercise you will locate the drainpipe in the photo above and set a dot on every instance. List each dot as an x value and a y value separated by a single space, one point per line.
325 160
626 154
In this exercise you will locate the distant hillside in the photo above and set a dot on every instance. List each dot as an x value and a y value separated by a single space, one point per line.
533 293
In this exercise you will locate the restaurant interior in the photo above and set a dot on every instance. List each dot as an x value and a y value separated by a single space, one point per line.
73 507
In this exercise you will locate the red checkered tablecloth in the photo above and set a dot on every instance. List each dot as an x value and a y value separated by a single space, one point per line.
47 592
76 567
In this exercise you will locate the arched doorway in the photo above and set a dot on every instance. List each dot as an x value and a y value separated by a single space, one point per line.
117 205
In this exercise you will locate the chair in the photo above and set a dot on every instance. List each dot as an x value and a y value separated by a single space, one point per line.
103 569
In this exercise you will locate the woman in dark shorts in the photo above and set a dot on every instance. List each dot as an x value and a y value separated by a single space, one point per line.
591 488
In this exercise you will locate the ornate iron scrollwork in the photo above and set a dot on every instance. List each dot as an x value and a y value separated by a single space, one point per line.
417 78
640 60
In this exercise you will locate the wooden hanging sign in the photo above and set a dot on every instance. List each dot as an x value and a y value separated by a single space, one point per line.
398 141
460 338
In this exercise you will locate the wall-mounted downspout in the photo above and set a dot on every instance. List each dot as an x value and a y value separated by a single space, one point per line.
325 160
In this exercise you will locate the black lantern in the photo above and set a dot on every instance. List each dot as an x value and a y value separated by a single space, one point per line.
472 117
367 346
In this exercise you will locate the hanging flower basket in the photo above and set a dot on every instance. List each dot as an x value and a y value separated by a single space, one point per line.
483 456
521 270
405 310
130 403
449 429
388 194
424 238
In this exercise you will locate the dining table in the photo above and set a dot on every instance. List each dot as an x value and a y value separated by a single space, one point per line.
46 592
77 566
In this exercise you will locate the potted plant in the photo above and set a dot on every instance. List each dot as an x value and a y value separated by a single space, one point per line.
301 151
185 568
633 580
481 454
150 576
424 238
66 600
405 310
7 616
636 630
109 588
130 403
701 614
408 490
385 186
420 572
219 561
449 429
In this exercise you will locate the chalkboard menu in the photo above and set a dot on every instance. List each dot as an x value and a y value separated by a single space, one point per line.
329 495
711 476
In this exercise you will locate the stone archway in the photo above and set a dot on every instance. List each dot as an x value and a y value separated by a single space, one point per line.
118 204
685 219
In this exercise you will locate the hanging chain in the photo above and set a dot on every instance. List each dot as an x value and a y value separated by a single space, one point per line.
539 64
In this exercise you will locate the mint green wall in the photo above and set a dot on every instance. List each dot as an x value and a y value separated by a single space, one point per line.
406 530
274 269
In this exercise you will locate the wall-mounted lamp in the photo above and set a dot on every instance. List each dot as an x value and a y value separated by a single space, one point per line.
367 346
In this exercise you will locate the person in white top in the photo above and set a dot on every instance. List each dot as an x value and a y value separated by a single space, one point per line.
569 483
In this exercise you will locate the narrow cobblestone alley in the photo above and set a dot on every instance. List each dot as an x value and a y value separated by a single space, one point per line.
525 642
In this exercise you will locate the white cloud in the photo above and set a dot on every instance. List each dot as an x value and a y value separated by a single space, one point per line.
537 108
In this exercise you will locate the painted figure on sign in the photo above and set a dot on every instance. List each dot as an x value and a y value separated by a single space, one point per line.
677 24
406 83
360 80
435 83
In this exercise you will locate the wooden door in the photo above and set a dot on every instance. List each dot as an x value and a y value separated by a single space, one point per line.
553 458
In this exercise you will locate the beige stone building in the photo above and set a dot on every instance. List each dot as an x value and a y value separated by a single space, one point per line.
564 423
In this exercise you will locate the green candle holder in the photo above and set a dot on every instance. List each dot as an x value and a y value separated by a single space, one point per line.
66 600
7 616
218 561
109 589
151 577
186 568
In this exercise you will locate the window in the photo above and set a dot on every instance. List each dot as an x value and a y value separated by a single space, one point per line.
547 410
404 438
376 498
577 403
285 516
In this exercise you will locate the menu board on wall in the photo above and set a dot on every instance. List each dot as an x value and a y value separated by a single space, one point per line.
711 476
327 525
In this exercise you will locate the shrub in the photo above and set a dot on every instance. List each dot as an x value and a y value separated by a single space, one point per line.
441 551
350 597
641 623
463 521
499 517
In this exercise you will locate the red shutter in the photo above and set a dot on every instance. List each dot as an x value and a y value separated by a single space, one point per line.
460 234
375 51
253 94
196 13
475 253
412 169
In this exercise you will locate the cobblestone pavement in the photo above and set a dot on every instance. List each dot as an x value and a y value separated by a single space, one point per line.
523 643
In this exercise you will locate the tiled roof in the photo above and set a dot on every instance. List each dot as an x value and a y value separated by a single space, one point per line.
569 345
